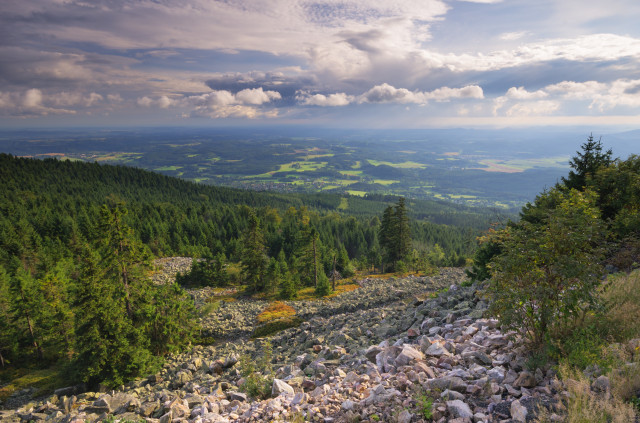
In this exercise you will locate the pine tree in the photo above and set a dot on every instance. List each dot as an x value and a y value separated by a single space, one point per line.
110 348
172 320
254 257
395 233
402 234
385 235
27 303
586 163
8 335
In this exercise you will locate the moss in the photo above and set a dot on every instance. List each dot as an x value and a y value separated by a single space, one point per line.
270 328
45 381
276 311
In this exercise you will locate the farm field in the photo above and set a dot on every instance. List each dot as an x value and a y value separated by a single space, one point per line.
462 167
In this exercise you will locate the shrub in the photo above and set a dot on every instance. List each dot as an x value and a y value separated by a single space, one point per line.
546 277
276 310
257 373
276 317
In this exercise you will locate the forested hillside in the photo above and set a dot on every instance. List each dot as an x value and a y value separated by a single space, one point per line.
44 203
76 241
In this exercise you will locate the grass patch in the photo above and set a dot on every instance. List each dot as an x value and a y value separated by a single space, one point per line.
168 168
45 381
344 204
584 405
385 182
301 166
276 310
350 172
621 295
403 165
276 317
357 193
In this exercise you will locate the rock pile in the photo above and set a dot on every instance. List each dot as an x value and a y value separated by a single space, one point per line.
363 358
168 267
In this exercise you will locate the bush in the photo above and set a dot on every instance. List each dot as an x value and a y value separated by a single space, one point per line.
276 317
257 373
324 286
546 278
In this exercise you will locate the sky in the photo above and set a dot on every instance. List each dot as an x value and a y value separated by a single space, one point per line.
333 63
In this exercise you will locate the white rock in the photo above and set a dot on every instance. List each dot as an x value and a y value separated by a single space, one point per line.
279 387
518 412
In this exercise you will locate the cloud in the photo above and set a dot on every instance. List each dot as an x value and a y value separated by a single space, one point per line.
223 104
520 93
386 93
482 1
291 24
542 107
337 99
257 96
28 103
512 36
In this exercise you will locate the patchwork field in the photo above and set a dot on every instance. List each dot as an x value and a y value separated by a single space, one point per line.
458 171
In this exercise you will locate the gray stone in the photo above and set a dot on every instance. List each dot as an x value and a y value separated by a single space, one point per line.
451 395
237 396
166 418
458 408
447 382
601 384
407 355
147 408
436 350
404 417
279 387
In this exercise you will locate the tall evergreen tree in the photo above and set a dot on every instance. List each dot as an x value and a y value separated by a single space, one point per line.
27 303
110 348
395 233
586 163
254 257
402 233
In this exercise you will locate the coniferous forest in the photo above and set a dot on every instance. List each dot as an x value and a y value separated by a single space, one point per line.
77 242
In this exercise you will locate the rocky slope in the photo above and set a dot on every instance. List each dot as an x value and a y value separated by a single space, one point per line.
375 354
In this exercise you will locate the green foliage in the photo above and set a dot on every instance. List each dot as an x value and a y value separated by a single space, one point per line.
490 247
257 373
58 243
546 277
586 163
424 404
324 286
210 271
254 257
270 328
584 347
395 233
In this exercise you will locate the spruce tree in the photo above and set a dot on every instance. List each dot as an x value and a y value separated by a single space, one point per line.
402 233
586 163
254 257
110 348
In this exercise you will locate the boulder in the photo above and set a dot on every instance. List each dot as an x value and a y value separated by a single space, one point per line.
459 408
279 387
